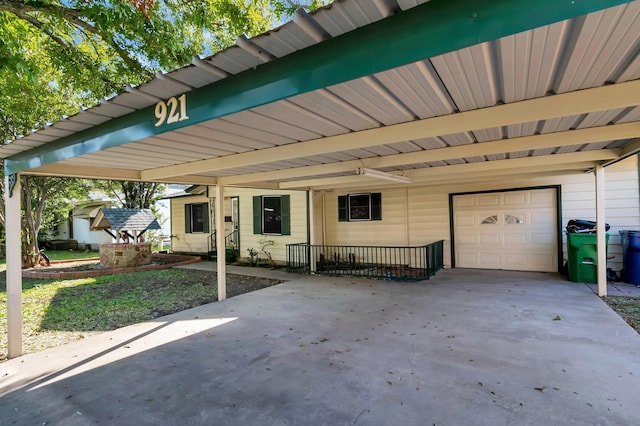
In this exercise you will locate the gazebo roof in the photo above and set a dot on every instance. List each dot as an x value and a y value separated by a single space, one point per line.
125 220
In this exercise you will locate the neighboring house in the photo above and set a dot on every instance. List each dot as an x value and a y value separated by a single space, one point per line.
77 227
251 215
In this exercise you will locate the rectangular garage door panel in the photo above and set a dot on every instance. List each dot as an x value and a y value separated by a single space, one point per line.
514 230
516 239
466 239
463 202
489 239
518 198
488 200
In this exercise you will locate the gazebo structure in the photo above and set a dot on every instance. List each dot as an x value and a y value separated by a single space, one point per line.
441 92
127 227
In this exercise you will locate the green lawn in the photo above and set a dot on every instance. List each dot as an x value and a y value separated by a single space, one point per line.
627 307
59 311
60 255
70 255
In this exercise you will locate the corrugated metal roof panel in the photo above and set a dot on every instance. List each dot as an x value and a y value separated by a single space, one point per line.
529 60
419 88
368 96
565 56
293 114
607 40
193 76
470 76
632 115
334 109
234 60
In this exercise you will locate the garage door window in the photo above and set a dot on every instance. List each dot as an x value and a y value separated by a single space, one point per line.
490 220
513 220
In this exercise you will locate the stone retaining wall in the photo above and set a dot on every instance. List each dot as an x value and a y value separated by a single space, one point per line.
125 255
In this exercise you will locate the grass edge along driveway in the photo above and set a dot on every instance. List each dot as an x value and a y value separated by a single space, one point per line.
56 312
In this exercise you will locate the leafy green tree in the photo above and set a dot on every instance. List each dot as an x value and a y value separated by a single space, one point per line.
57 55
100 45
45 202
132 195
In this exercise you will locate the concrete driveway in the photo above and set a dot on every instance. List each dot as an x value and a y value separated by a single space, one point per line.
465 348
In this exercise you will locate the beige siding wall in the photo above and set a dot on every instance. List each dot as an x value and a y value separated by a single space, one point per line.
182 242
420 215
391 230
250 240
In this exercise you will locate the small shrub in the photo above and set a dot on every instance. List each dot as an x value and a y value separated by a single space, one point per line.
264 243
253 256
231 255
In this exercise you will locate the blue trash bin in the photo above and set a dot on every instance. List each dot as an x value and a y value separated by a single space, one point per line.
631 256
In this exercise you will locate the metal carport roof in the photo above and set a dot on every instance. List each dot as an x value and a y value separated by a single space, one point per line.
420 89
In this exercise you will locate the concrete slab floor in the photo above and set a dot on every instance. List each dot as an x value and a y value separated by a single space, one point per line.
467 347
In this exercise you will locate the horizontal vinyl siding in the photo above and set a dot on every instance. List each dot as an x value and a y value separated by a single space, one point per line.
250 240
429 218
181 242
390 231
427 209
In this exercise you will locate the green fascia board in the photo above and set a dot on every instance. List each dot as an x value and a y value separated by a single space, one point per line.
431 29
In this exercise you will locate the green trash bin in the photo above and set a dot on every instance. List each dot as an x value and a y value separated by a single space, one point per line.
583 257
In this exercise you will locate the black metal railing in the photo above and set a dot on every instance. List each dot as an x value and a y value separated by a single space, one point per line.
392 263
230 240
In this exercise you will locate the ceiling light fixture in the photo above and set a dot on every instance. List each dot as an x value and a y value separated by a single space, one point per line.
363 171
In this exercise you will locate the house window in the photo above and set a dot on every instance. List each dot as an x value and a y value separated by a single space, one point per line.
271 215
360 207
196 218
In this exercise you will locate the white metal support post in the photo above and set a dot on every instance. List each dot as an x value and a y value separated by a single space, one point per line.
221 250
14 266
601 231
312 229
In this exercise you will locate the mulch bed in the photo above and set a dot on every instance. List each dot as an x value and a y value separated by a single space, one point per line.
91 267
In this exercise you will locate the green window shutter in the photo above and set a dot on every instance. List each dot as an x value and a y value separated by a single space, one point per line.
285 214
205 217
343 212
257 214
376 206
187 218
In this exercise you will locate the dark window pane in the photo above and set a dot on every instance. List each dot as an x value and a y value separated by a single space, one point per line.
271 215
359 207
197 217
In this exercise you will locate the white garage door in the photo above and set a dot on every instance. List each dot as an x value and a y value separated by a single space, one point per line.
515 230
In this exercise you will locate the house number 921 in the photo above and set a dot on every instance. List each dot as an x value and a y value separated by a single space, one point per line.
172 111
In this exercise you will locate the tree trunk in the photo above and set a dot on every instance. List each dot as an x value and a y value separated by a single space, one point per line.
30 249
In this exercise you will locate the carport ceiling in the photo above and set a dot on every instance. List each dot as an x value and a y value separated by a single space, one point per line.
436 91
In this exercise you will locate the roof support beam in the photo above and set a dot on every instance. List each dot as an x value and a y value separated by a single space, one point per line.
471 171
427 30
476 177
353 181
548 140
88 172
